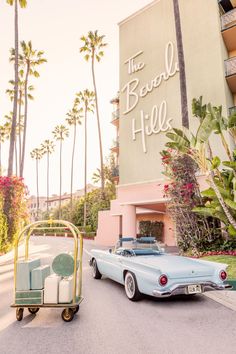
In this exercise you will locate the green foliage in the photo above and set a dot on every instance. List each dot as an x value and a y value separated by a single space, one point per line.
219 201
230 260
13 209
151 228
3 228
95 202
196 231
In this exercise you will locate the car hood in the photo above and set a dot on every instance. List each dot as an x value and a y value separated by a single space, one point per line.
178 266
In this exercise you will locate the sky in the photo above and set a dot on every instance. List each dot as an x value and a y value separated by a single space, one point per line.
55 26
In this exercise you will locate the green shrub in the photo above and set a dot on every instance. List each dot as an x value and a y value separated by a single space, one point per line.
151 228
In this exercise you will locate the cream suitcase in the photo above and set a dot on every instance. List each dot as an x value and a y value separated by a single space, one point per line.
51 287
66 290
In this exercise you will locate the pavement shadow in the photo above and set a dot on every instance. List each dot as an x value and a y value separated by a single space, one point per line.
176 299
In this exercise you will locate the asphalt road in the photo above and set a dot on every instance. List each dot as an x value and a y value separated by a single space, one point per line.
109 323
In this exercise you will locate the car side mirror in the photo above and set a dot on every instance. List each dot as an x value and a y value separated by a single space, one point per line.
110 250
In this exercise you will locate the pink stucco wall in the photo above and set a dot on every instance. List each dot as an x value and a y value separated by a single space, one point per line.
108 229
149 195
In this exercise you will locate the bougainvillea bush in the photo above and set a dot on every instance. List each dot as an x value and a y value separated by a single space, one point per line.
194 232
13 193
3 228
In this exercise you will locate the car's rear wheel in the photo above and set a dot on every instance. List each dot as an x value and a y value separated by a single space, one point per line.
96 273
131 287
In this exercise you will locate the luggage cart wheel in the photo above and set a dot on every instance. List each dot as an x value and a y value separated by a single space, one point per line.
76 309
19 313
67 314
33 310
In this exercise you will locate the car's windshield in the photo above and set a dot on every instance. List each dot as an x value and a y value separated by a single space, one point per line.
139 243
146 252
129 252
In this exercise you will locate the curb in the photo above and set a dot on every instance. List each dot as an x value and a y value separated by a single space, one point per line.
226 298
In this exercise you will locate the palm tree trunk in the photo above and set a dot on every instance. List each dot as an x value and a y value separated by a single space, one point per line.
85 166
14 118
16 157
37 183
72 171
183 88
99 128
47 182
19 124
25 122
60 179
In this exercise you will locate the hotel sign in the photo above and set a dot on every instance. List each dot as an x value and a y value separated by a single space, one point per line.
157 120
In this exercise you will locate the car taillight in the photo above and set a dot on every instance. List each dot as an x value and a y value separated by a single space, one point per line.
163 280
223 275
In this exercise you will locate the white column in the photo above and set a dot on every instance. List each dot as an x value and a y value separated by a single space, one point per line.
129 221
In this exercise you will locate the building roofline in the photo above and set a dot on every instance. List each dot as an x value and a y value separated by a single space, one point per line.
138 12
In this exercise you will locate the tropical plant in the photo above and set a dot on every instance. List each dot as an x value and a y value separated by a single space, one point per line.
47 148
95 202
23 4
183 89
21 93
182 192
110 188
60 133
93 49
29 60
14 194
37 155
74 119
3 227
199 149
86 99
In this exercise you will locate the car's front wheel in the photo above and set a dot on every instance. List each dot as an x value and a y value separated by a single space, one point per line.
96 273
131 287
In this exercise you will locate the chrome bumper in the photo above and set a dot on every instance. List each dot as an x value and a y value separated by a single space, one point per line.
182 289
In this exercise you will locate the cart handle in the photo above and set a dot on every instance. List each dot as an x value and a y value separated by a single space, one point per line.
74 230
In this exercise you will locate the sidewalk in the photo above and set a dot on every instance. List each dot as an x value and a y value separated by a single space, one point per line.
226 298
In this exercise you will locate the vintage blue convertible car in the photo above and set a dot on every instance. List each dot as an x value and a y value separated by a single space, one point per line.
144 268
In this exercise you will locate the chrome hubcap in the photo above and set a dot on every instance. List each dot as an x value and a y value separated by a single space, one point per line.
129 286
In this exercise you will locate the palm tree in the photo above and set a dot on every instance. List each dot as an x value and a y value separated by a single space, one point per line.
183 88
29 59
74 116
9 118
86 98
60 133
21 92
23 4
37 155
47 147
93 49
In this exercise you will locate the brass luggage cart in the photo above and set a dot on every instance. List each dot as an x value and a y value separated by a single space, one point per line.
69 308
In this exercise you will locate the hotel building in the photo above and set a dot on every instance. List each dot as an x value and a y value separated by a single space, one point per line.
149 102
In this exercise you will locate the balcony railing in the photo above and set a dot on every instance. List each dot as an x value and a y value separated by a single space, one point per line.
115 171
232 110
228 19
226 5
230 66
115 115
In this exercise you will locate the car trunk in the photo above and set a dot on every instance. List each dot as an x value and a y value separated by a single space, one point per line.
177 267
